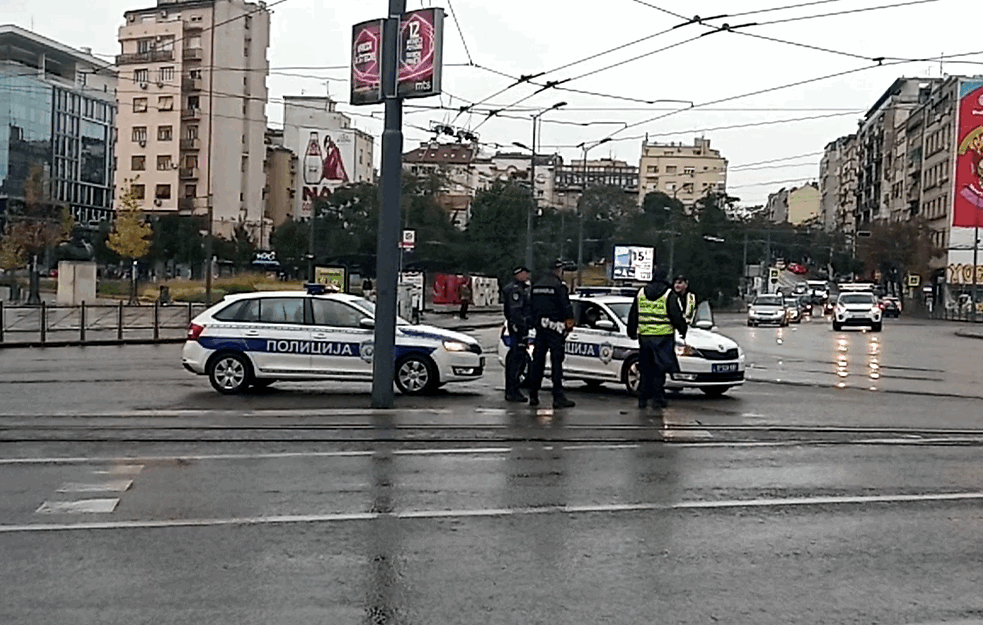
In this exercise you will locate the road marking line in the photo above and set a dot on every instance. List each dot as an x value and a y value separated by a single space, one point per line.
115 486
497 512
121 469
91 506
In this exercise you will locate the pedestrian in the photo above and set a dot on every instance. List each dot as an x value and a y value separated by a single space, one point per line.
466 295
654 318
553 319
687 299
518 314
367 288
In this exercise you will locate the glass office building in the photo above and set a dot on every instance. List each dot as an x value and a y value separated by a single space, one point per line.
57 112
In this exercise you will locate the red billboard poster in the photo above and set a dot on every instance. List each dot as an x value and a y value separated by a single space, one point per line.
366 81
421 45
968 196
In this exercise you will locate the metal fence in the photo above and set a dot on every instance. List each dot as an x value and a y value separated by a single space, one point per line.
94 323
957 314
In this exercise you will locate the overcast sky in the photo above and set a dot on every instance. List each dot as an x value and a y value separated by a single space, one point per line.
518 37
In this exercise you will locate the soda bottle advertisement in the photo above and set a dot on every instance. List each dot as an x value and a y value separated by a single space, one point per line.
329 162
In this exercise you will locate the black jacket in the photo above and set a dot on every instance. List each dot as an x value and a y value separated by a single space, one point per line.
653 291
518 308
550 300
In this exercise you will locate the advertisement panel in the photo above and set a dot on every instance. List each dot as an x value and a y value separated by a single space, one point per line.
968 196
330 276
633 263
366 78
421 43
327 162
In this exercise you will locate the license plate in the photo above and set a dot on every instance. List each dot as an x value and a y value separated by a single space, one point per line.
728 368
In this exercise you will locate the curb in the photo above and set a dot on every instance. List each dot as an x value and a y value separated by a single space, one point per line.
96 343
968 335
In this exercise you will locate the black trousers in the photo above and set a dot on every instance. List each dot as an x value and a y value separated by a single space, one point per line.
515 361
656 358
552 342
464 309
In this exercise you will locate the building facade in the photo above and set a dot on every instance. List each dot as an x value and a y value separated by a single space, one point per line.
796 205
192 118
455 162
280 169
505 166
571 179
829 182
57 112
686 172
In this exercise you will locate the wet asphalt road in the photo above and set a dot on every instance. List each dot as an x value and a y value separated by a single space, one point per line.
817 493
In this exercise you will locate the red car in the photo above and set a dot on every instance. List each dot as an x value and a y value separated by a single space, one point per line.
798 269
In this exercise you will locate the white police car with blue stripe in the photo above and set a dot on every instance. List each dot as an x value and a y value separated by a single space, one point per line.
598 349
255 339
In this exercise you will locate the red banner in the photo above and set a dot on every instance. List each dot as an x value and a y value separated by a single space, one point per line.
968 196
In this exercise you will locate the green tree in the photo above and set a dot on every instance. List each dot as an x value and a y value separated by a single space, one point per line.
290 241
496 232
131 235
33 226
895 249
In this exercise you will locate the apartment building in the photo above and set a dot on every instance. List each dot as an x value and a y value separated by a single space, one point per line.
456 163
686 172
280 170
571 179
829 182
796 205
57 111
192 117
845 219
505 166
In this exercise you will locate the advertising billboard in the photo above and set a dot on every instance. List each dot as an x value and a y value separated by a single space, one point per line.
421 43
366 79
331 276
968 196
327 160
633 263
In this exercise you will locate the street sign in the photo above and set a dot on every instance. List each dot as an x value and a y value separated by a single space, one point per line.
914 280
409 240
773 275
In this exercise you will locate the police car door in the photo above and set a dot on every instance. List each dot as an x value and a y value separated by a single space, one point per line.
342 346
285 337
591 345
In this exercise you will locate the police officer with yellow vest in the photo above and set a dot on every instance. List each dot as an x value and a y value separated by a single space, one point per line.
687 299
654 318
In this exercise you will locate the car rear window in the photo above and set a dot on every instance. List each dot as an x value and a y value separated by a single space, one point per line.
282 310
242 310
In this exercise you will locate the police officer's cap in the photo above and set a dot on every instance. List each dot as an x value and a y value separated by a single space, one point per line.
519 270
680 278
559 264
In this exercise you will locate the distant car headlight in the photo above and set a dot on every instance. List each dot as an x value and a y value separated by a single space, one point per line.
751 311
456 346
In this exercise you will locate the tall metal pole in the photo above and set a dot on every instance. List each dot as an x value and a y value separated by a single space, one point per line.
580 223
208 250
387 257
533 205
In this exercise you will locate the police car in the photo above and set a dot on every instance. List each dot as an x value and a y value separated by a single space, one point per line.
598 349
255 339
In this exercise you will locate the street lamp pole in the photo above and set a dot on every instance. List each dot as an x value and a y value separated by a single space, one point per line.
580 211
534 205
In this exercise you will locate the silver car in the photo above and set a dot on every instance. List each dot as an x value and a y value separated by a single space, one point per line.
767 308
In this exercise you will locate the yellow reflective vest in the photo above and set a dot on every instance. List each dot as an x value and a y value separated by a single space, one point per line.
653 316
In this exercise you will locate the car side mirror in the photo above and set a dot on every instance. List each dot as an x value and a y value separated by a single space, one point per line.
366 323
606 325
704 324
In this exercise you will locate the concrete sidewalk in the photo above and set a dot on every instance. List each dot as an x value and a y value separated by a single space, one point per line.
970 334
475 321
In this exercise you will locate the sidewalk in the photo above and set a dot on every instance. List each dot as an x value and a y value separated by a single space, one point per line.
475 321
970 334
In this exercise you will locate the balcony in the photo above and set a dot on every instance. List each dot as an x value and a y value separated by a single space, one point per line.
188 173
190 144
150 56
193 54
191 84
191 113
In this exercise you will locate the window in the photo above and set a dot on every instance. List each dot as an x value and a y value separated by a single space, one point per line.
194 73
167 74
195 18
190 190
165 103
243 310
145 45
191 132
163 192
670 169
193 42
190 161
165 133
335 314
653 169
689 171
282 310
141 75
139 134
167 43
138 163
139 191
193 101
164 162
139 105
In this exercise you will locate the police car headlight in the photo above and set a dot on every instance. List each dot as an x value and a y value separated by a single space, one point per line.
456 346
687 350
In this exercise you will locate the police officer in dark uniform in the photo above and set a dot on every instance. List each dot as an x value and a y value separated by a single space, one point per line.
553 319
518 316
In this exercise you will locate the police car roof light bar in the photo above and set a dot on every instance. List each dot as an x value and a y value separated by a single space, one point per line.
314 288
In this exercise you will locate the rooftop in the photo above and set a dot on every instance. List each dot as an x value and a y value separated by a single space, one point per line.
28 48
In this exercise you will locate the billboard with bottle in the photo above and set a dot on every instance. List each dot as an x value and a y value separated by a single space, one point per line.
327 161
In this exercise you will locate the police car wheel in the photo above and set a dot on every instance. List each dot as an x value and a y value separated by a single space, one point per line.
415 375
631 376
230 373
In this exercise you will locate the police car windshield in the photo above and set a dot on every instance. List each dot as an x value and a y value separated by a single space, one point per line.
369 307
621 309
857 298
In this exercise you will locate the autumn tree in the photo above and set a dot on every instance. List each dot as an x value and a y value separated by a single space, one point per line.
33 226
131 235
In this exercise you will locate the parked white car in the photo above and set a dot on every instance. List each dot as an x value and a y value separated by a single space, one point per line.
599 350
255 339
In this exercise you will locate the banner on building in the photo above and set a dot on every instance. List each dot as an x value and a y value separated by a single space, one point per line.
327 162
421 44
366 78
633 263
968 196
